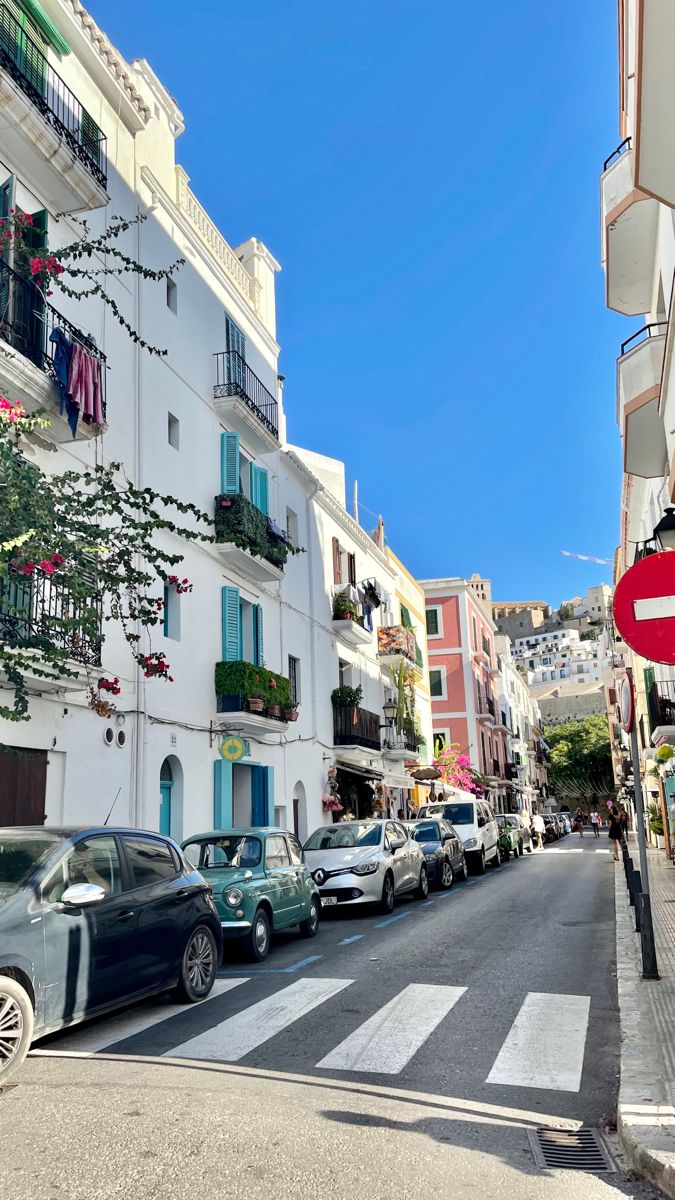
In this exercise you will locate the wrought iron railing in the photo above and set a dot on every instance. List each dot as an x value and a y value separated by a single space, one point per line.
654 329
36 606
23 59
356 727
661 704
234 377
621 149
27 323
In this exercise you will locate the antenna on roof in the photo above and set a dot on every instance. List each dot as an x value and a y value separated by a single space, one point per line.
112 806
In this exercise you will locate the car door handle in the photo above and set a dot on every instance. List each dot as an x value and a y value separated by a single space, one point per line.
125 915
183 893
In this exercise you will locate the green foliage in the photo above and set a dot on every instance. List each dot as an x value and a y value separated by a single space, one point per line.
347 697
239 521
566 612
588 635
252 682
655 819
345 609
581 759
664 754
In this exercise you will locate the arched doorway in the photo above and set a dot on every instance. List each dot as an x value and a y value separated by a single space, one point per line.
300 812
165 790
171 798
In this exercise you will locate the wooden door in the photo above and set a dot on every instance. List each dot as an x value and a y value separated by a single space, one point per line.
23 786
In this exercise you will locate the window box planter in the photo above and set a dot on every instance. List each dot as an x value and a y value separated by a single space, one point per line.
248 540
290 714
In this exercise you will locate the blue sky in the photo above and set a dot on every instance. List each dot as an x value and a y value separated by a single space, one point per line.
427 174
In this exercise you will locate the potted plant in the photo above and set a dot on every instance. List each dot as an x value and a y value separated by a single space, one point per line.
656 824
291 712
345 609
347 697
256 699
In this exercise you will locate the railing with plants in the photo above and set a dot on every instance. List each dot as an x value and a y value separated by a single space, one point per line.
346 609
353 725
239 521
243 685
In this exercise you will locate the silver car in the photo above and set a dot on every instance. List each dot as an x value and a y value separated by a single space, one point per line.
365 862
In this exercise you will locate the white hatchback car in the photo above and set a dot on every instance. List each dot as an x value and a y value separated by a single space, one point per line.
365 862
475 823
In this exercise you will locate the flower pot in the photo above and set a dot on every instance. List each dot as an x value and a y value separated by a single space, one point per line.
255 704
274 710
290 714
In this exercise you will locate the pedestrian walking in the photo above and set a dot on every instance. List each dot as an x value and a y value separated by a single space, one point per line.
595 821
579 821
623 817
538 828
615 831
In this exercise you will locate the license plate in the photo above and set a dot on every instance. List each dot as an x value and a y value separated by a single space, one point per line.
329 900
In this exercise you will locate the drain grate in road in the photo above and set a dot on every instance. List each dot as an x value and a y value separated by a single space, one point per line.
570 1150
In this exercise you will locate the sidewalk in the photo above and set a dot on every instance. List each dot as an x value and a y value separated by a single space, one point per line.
646 1113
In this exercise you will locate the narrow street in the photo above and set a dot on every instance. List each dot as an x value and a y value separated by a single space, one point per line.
290 1075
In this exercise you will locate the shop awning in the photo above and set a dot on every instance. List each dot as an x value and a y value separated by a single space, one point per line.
399 781
363 772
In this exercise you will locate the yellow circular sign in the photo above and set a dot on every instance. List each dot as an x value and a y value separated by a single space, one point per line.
232 749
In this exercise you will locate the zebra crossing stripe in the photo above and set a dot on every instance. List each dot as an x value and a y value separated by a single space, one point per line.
545 1045
237 1036
101 1036
388 1040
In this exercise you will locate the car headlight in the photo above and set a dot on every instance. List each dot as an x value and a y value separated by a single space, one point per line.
431 853
470 843
234 897
366 868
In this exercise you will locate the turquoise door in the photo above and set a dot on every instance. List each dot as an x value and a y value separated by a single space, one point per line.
165 808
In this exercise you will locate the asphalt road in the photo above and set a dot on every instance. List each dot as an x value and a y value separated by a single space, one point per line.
388 1056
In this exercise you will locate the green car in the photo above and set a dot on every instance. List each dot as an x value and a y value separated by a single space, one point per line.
510 838
260 883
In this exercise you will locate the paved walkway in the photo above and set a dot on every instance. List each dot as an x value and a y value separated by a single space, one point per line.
646 1114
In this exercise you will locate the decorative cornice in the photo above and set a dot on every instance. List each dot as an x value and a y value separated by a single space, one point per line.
109 55
340 514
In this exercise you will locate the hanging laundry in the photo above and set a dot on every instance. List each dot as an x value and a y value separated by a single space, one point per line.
85 384
61 358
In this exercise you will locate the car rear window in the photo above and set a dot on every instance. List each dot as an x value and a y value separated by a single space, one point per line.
20 855
150 860
425 831
236 850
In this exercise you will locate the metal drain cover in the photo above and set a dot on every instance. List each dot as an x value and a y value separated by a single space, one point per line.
570 1150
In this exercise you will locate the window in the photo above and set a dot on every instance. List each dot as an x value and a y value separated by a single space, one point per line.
294 678
405 617
172 295
276 852
436 684
235 353
150 860
173 431
292 527
344 673
344 565
440 741
297 857
171 612
242 628
224 852
433 622
91 860
475 633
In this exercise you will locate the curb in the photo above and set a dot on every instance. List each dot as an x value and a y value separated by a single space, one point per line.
645 1114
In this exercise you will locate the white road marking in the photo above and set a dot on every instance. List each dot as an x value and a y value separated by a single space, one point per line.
654 609
602 852
116 1029
237 1036
545 1045
564 850
388 1040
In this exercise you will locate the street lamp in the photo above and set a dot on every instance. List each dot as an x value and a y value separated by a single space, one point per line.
390 709
665 530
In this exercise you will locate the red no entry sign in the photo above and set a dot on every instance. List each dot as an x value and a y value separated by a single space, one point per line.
644 607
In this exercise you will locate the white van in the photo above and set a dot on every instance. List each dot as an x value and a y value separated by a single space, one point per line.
475 823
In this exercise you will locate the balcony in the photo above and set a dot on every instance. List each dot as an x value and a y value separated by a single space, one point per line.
401 746
629 230
247 541
240 397
661 708
50 139
252 700
396 644
27 325
638 387
655 100
356 728
349 620
485 710
37 607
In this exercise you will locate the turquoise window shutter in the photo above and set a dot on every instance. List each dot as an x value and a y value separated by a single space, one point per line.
229 463
262 795
260 488
231 619
258 649
268 795
222 794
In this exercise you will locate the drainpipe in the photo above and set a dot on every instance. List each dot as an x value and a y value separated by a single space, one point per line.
312 606
141 697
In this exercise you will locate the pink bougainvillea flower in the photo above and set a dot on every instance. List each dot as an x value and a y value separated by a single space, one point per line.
47 566
58 559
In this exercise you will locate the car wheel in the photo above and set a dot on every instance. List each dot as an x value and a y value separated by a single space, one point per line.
387 901
465 870
422 889
520 850
310 927
480 864
504 853
257 942
497 860
199 966
447 874
16 1026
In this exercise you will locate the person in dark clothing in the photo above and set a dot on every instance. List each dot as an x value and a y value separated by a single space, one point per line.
615 831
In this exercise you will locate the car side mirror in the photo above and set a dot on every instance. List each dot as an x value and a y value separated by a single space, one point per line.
79 895
481 822
396 844
447 837
248 874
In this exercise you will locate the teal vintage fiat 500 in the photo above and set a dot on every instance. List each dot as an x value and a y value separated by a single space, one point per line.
260 883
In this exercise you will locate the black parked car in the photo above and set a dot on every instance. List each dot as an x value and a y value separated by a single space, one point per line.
91 919
443 850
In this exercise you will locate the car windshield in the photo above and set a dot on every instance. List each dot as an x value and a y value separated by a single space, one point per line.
501 821
236 850
425 831
347 835
457 814
21 854
512 822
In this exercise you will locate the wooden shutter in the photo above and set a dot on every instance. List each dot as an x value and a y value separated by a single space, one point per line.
229 463
91 137
234 340
258 648
337 562
405 618
260 488
231 623
351 569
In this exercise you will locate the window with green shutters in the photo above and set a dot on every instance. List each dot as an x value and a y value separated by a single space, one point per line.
258 649
259 488
231 624
229 463
235 341
405 618
432 622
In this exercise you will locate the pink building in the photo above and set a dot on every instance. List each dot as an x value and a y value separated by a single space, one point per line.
463 668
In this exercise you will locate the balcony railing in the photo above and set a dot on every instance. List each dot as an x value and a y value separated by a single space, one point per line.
356 727
38 607
234 377
661 704
22 58
27 323
496 768
237 520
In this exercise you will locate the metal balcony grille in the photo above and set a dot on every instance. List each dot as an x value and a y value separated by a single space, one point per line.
234 377
23 59
37 607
